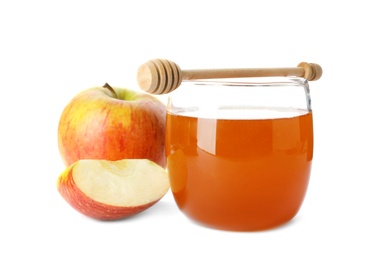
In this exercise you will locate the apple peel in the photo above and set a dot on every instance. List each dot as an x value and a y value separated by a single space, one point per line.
110 190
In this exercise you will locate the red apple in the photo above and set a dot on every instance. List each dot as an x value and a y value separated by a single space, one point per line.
110 190
112 124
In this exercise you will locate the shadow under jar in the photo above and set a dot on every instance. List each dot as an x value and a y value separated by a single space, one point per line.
239 151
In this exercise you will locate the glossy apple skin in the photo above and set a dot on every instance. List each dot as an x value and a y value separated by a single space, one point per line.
96 124
68 189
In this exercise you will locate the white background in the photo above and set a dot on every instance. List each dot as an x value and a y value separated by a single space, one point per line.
51 50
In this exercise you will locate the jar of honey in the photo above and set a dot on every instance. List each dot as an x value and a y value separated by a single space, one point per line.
239 151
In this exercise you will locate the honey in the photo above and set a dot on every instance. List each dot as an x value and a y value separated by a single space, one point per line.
239 174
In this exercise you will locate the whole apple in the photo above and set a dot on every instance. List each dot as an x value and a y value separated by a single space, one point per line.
112 124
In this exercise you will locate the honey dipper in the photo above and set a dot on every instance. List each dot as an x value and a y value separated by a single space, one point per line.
161 76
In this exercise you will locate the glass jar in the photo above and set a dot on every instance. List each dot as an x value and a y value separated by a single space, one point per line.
239 151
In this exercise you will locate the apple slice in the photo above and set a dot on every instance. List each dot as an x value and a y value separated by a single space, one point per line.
110 190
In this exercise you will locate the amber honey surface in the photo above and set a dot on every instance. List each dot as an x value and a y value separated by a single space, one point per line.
246 174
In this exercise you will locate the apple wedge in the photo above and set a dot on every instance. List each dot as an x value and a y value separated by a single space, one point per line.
109 190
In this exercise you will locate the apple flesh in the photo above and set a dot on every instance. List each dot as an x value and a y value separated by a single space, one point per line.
110 190
111 123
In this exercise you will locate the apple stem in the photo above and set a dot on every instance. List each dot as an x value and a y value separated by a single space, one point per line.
110 89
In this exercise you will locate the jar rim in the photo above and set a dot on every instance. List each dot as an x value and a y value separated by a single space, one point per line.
249 81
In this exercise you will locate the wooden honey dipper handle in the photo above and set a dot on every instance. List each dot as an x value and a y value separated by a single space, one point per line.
162 76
